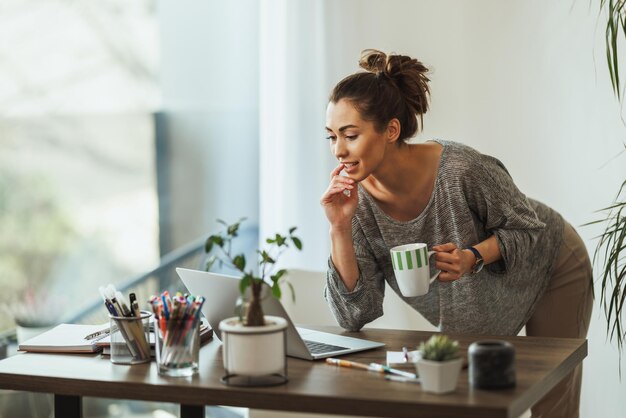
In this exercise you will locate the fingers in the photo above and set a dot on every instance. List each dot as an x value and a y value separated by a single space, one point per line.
449 259
338 185
337 170
448 275
445 247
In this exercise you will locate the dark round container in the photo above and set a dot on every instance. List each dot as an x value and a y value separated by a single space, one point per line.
491 364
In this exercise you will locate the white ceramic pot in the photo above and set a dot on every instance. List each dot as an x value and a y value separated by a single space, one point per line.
254 351
439 376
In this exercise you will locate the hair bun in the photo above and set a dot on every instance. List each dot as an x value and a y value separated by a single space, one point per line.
373 60
392 86
408 74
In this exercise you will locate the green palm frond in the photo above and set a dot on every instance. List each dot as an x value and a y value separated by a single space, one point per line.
610 253
615 29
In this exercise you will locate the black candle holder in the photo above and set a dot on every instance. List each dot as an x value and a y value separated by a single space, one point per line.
491 364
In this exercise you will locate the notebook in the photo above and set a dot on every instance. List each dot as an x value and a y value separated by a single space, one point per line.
221 293
64 338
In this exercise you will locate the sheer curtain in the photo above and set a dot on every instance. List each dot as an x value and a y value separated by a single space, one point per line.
294 156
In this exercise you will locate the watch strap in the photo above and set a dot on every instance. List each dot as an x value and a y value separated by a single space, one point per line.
478 264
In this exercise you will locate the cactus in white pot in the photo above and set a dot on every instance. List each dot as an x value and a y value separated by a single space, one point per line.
439 364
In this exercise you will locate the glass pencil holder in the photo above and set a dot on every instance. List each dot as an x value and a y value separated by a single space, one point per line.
130 341
178 347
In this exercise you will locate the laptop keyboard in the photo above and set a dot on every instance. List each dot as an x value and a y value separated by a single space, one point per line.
320 348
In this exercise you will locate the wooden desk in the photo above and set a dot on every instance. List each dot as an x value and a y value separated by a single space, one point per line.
313 386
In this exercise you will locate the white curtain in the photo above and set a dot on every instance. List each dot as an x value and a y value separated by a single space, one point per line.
294 156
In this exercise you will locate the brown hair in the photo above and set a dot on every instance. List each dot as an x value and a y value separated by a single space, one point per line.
393 86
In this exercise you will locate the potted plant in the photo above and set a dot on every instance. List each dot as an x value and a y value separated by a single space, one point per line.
34 311
439 365
254 346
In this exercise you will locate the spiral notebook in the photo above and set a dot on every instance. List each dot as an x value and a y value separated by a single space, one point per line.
65 338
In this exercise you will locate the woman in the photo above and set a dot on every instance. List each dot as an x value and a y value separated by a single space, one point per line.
463 204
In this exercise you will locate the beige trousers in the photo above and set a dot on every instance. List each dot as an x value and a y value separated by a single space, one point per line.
564 311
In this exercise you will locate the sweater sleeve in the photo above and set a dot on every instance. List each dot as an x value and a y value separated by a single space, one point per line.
353 310
503 210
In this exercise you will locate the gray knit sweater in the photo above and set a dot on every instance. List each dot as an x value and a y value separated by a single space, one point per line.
474 197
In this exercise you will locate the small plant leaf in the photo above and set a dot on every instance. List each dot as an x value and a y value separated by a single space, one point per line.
232 229
218 240
280 273
245 282
266 258
276 292
293 228
240 262
208 245
280 240
297 242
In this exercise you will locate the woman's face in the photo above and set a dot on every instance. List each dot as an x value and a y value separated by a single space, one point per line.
354 141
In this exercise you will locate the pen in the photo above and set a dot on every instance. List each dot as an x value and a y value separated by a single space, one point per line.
387 369
346 363
373 367
102 332
402 379
132 298
120 299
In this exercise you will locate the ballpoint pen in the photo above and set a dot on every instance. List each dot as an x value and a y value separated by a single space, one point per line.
403 379
373 367
387 369
132 298
102 333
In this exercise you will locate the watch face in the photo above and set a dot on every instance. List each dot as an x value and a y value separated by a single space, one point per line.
479 266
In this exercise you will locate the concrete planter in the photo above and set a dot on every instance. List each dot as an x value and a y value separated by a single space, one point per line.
439 376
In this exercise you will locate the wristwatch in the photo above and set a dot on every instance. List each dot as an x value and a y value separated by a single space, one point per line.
478 265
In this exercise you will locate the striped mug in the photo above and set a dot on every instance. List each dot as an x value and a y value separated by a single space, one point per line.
412 270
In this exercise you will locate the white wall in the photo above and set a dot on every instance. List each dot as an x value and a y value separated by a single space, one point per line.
516 80
209 81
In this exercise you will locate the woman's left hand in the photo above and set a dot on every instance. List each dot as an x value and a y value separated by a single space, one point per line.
453 261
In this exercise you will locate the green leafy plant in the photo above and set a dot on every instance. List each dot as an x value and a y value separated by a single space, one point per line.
610 250
267 272
615 29
439 348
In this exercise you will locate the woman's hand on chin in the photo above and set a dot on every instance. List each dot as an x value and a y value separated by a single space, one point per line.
340 199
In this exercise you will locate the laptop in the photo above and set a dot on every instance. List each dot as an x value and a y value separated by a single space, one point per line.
221 292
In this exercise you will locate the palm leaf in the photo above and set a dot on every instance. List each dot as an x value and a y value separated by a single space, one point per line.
615 29
610 253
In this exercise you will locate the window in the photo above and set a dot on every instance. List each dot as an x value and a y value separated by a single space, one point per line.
78 204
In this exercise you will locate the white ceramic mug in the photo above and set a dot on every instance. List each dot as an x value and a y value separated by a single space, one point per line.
412 268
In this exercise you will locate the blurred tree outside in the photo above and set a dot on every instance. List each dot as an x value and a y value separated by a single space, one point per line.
78 205
35 232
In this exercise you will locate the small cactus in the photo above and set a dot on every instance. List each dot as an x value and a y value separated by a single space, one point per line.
439 348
